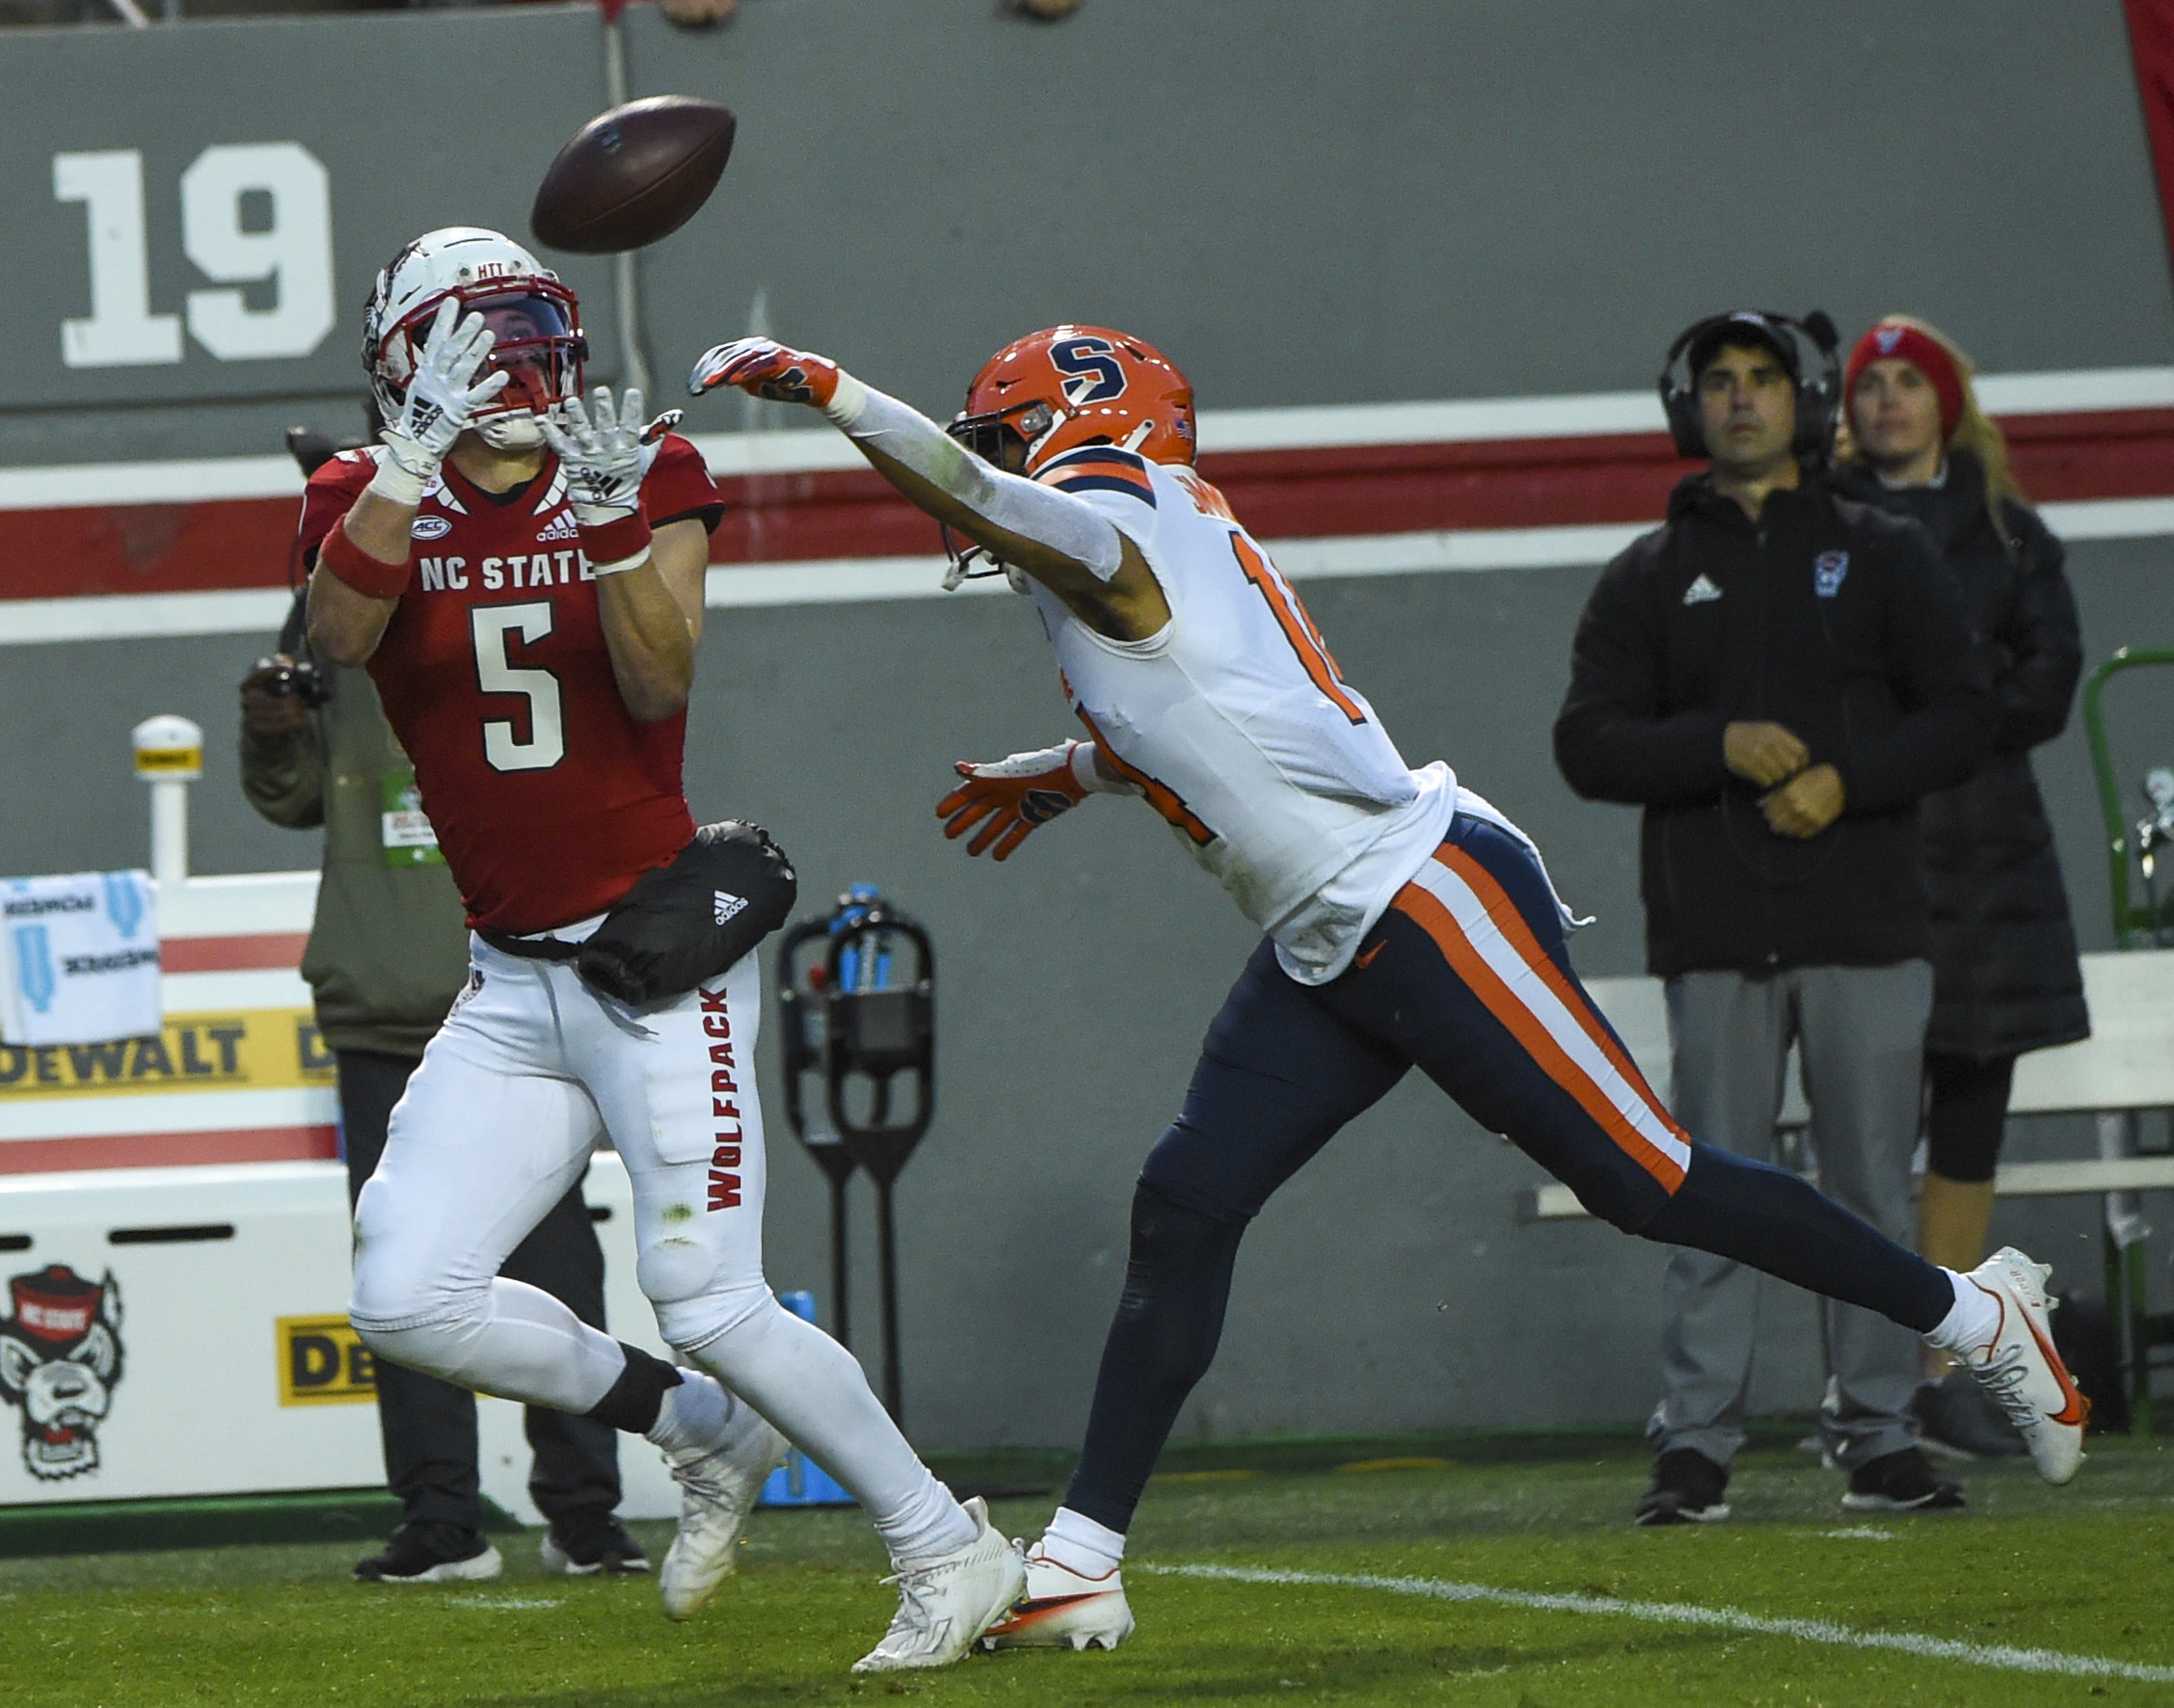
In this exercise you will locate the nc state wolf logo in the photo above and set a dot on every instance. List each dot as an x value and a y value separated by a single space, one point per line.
60 1358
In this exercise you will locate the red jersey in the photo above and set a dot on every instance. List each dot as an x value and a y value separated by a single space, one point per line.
548 797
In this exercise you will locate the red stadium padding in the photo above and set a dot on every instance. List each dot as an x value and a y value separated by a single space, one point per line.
128 548
256 952
1292 493
170 1150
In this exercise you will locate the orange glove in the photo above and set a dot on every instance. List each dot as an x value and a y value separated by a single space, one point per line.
1015 794
763 367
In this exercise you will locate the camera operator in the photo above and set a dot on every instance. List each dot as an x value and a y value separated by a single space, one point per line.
1776 675
388 956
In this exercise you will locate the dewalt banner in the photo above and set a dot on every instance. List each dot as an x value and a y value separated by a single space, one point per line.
323 1362
254 1049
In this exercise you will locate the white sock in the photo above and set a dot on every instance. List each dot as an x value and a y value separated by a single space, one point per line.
693 1415
926 1527
1079 1544
813 1390
1973 1321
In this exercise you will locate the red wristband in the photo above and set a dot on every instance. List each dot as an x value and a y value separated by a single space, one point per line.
615 542
360 570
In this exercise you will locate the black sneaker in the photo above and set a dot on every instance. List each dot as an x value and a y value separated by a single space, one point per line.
1900 1482
432 1554
581 1549
1687 1489
1957 1419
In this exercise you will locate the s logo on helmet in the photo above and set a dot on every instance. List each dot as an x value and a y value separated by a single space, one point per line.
1093 374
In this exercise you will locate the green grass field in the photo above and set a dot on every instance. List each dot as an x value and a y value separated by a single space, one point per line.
2086 1573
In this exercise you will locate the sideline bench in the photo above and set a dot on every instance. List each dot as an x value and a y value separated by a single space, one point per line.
2126 1066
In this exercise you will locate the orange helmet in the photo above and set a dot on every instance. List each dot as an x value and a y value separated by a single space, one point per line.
1069 385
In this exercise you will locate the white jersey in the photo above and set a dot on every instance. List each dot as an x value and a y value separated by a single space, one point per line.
1234 720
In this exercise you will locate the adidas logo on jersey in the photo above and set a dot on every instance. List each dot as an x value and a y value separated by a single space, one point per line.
729 904
561 527
1700 591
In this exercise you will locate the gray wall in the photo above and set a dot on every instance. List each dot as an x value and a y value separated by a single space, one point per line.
1077 977
1307 200
1305 203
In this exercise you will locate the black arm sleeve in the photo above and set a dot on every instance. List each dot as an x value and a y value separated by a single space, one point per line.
1613 742
2040 643
1946 725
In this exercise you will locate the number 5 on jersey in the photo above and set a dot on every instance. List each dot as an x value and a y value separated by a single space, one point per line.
495 673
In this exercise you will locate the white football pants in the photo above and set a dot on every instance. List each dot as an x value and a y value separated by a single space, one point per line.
498 1123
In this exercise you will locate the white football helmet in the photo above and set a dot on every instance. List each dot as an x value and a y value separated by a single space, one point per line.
537 321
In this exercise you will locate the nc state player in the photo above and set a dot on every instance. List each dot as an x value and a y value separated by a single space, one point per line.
1409 924
524 577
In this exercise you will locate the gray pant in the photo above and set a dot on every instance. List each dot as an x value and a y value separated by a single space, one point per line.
1860 1031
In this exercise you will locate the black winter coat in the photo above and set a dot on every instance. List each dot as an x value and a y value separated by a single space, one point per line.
2006 977
1833 619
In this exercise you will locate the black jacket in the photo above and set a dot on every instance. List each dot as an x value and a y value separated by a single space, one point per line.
1831 618
2004 952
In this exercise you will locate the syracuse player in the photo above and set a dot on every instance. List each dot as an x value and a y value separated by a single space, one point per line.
524 580
1407 922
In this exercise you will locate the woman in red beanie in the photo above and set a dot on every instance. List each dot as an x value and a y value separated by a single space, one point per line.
2004 952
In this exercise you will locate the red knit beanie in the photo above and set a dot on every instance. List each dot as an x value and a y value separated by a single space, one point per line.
1893 339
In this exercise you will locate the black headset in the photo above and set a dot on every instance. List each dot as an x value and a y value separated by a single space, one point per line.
1816 400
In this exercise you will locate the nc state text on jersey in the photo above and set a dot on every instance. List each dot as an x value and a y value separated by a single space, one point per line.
540 569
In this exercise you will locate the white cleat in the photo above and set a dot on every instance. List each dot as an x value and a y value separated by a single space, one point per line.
947 1604
1063 1609
717 1490
2019 1368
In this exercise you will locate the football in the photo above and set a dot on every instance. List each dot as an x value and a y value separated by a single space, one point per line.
632 175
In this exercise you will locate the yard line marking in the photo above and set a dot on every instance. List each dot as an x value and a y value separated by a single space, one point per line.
1677 1612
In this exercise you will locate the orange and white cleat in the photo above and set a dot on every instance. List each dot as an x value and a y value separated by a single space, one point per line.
1063 1609
2023 1373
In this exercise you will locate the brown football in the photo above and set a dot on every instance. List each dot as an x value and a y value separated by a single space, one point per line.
634 175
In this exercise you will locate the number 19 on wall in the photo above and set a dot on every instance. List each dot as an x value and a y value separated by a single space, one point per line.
252 213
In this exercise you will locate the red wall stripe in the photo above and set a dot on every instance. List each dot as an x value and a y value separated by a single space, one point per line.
170 1150
274 950
1299 493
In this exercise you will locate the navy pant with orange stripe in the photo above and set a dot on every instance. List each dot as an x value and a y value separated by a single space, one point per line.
1468 979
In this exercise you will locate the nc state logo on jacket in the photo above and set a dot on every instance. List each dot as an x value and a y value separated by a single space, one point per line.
60 1359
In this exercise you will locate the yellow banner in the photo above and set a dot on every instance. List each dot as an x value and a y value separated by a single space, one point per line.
254 1048
323 1363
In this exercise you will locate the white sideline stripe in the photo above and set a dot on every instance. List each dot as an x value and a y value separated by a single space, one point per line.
834 582
87 1115
189 480
2111 519
256 988
1527 987
143 615
1998 1656
855 580
802 451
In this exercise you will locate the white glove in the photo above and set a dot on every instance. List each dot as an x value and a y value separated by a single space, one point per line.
607 453
442 401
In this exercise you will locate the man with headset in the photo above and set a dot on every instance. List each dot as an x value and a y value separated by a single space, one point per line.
1776 675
